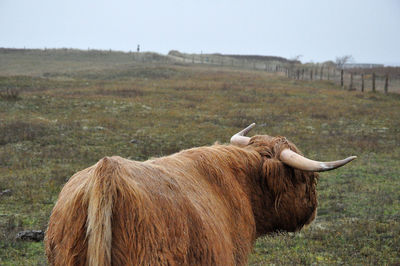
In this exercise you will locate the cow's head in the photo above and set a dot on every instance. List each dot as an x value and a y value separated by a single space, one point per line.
287 182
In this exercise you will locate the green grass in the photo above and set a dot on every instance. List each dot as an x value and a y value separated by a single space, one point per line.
66 120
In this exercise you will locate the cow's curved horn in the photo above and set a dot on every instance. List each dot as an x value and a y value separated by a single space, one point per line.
240 138
297 161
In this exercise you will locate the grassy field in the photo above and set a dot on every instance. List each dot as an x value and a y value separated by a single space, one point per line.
67 118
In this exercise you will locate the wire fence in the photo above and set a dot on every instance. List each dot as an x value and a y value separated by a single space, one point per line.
17 62
350 79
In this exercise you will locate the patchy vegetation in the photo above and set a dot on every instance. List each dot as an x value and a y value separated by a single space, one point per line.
66 121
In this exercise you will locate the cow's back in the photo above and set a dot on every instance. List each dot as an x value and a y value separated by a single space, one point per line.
177 218
159 216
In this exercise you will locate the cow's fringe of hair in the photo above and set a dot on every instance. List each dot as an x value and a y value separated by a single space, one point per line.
285 179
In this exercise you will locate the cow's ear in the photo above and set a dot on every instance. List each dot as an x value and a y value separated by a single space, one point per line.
276 176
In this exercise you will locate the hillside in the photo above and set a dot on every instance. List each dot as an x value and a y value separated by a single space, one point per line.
36 62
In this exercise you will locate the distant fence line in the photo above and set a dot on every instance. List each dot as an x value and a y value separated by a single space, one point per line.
350 79
346 78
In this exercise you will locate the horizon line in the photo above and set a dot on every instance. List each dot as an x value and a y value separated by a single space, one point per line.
386 64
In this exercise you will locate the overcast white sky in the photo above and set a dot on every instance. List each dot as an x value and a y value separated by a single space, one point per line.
319 30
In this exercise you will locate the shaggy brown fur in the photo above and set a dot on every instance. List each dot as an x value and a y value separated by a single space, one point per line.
202 206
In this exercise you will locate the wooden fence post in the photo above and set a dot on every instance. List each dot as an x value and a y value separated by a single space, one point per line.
362 82
327 73
373 82
386 83
302 74
322 72
351 82
341 78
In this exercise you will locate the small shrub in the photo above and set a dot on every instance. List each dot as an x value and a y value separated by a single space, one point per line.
10 94
11 226
21 131
131 92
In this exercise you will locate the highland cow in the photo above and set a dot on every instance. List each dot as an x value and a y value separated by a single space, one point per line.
201 206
